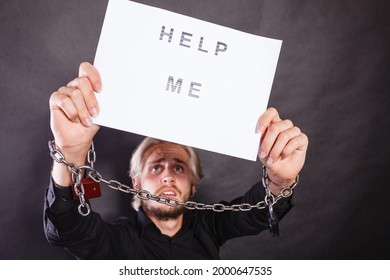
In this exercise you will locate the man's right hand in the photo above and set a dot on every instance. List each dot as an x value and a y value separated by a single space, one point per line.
72 109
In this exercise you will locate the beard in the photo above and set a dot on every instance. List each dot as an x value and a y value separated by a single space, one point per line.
163 212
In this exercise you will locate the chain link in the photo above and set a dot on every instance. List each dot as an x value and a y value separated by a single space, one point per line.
91 156
84 208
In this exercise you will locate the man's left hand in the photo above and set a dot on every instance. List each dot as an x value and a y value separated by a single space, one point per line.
282 149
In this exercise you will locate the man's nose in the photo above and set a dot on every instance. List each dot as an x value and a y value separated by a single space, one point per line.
168 178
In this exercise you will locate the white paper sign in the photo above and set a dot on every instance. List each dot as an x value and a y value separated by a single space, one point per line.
183 80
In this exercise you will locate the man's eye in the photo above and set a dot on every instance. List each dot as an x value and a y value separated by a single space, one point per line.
179 169
156 168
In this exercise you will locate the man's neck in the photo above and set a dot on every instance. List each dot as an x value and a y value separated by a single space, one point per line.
168 227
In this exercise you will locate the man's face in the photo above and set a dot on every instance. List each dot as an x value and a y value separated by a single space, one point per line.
165 172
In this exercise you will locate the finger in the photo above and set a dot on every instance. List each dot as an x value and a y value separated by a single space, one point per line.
85 86
281 142
62 102
86 69
298 143
78 101
269 116
271 134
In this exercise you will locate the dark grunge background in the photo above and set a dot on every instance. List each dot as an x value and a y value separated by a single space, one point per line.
332 81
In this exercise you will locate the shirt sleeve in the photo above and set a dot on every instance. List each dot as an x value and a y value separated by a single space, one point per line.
230 224
85 237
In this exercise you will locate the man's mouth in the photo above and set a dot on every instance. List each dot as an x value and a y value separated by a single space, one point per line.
168 193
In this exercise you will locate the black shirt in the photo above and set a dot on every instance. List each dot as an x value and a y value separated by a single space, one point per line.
136 236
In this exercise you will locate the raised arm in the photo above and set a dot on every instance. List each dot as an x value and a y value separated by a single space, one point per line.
72 108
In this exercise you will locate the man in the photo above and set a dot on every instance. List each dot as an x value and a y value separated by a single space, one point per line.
157 231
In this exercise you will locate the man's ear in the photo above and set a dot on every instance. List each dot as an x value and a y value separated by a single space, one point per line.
136 184
193 190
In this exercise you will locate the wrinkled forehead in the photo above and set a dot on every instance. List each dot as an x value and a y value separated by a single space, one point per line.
165 151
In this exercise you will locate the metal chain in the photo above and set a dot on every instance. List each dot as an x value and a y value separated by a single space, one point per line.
76 171
77 174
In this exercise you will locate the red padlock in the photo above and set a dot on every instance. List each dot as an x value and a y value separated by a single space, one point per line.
91 188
